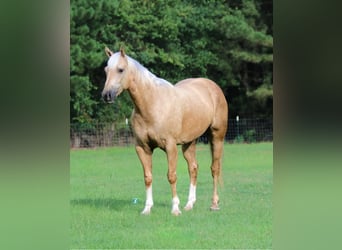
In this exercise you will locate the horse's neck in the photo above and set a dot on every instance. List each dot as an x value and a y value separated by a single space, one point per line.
145 89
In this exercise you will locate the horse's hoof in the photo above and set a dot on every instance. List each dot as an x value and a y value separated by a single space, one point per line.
188 207
214 208
176 212
146 211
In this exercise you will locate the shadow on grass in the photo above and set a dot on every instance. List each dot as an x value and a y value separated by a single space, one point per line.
114 204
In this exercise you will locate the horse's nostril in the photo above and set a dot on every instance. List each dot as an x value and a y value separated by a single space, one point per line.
108 96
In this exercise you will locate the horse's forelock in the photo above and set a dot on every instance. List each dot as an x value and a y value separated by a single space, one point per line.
113 60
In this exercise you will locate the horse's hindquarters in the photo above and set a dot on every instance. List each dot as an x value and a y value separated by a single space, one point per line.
203 106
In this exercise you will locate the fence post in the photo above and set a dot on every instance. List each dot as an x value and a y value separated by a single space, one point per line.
126 131
238 129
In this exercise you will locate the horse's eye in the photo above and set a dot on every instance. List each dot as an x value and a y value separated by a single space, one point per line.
120 70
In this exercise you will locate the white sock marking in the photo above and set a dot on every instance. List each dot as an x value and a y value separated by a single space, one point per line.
149 201
192 193
191 197
175 206
149 196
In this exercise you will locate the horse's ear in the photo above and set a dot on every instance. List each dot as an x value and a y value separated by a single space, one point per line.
109 53
122 51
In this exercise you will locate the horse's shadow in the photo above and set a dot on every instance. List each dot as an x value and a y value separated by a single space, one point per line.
113 204
109 203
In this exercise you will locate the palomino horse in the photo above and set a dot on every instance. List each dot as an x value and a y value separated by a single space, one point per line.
165 116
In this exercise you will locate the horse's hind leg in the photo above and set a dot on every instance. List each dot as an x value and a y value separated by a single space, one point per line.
217 142
189 152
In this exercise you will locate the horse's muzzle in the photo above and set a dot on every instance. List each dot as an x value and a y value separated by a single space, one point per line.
108 96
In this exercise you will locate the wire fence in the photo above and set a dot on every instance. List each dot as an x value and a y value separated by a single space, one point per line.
121 134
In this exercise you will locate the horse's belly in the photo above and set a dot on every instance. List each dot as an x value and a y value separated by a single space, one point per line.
193 129
173 132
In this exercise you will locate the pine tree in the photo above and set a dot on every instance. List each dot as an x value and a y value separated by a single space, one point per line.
229 42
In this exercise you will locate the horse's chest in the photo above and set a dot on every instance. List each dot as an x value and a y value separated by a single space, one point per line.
151 134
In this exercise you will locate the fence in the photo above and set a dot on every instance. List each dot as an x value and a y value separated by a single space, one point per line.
120 134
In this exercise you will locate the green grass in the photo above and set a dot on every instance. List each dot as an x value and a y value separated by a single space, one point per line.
104 181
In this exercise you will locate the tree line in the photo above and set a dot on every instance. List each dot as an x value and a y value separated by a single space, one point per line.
229 42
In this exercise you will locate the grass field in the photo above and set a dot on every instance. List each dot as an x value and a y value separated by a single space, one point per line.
104 181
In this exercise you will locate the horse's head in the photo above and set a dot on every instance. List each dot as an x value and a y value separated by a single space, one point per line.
116 72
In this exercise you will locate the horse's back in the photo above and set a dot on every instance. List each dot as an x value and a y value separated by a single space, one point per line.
211 97
204 88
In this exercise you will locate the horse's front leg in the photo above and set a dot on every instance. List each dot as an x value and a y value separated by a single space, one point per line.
145 157
172 155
